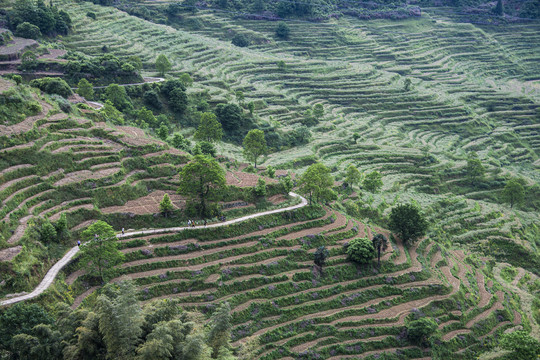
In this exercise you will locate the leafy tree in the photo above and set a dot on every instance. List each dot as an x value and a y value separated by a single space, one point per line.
407 221
240 40
28 31
61 227
251 107
287 183
317 182
99 252
200 178
474 169
321 254
513 192
270 171
111 113
178 101
158 345
43 344
163 65
21 319
52 86
85 89
231 118
17 79
356 136
282 66
147 116
352 175
379 242
318 111
523 346
220 328
117 95
136 62
499 9
260 189
360 250
166 205
209 128
178 141
48 233
407 84
283 31
419 330
120 319
373 181
254 145
186 79
240 96
207 148
163 132
151 98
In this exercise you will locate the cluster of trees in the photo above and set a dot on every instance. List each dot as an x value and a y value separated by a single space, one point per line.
101 69
118 327
31 18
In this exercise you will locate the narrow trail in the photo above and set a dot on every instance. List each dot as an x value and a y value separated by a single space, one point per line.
53 272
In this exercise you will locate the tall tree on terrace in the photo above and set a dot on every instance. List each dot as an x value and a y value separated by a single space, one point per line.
200 177
220 328
316 182
99 252
162 64
254 145
209 128
514 192
379 242
408 222
352 175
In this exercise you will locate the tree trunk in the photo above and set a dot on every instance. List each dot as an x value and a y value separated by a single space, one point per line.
379 255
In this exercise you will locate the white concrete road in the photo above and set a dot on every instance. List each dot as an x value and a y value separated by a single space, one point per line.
51 274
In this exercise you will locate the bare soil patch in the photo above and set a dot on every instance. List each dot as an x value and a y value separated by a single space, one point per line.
10 253
148 204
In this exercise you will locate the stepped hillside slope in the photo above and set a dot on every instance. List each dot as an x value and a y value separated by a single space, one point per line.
417 100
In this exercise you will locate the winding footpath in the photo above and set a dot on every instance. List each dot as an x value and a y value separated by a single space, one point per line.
51 274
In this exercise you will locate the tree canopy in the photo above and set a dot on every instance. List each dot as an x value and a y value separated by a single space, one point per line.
513 192
254 145
316 182
99 251
360 250
373 182
407 221
200 178
209 128
162 64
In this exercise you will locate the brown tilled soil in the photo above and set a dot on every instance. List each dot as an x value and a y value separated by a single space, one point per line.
9 253
148 204
485 297
369 353
497 306
454 333
83 175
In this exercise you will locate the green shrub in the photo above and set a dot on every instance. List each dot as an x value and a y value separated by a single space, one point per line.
27 30
52 85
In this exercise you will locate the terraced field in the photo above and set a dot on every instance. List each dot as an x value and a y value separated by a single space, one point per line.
471 89
265 270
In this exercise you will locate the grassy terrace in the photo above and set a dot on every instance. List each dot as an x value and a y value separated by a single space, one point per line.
264 270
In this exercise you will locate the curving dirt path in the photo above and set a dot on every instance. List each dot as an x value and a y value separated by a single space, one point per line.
51 274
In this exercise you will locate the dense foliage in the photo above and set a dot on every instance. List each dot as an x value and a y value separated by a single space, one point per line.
47 18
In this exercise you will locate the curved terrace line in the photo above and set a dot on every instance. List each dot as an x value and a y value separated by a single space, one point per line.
53 272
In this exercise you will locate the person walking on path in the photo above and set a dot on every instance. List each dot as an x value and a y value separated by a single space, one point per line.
122 231
189 223
192 223
205 222
78 242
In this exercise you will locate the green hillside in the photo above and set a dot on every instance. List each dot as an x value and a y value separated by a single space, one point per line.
444 105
